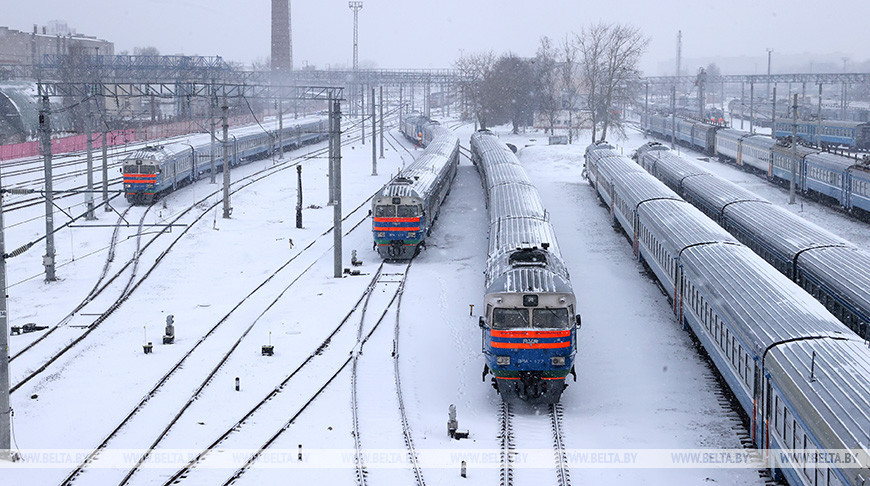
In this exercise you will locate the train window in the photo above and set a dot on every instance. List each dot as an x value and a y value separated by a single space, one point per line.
776 414
409 211
510 318
385 211
547 318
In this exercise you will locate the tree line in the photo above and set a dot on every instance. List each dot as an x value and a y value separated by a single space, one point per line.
586 77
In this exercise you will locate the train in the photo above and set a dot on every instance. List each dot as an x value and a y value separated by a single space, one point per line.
825 176
827 133
157 170
831 269
530 322
405 209
801 376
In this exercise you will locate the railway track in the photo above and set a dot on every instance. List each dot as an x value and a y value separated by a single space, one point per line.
131 286
309 381
507 444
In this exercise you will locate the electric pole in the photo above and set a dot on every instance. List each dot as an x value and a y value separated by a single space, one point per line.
769 52
356 6
674 117
106 206
791 188
280 129
374 136
773 116
89 197
211 105
5 409
227 209
45 137
335 152
299 197
752 107
381 98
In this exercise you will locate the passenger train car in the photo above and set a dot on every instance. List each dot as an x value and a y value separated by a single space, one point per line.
852 134
828 267
825 176
800 375
529 329
404 211
160 169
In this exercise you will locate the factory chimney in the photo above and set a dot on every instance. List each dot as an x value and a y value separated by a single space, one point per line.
282 41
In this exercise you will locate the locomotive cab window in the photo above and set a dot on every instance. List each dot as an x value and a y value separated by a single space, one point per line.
408 211
385 211
550 318
510 318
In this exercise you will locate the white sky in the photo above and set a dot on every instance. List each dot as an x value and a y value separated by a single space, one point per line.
431 34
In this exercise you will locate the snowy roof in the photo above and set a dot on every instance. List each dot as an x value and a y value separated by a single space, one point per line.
717 193
637 187
679 225
831 161
760 303
418 178
835 400
845 268
671 166
763 142
779 228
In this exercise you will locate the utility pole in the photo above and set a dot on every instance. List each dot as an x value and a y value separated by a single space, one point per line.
356 7
211 105
679 50
335 143
89 197
773 115
819 119
299 196
227 209
401 104
362 111
674 117
791 188
769 52
702 93
751 107
5 409
45 137
381 98
742 101
646 108
374 136
105 148
280 129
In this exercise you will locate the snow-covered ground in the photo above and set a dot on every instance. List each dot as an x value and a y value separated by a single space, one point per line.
641 383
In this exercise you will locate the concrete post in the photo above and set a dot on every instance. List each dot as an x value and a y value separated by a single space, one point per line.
45 138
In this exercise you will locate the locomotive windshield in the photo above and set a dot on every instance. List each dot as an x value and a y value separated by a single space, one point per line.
542 318
510 318
550 318
140 169
385 211
409 211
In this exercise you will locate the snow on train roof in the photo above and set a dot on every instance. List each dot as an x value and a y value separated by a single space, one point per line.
763 142
515 200
835 400
717 192
831 161
675 167
786 150
526 279
846 268
618 164
679 225
419 177
760 303
636 187
504 173
780 228
731 133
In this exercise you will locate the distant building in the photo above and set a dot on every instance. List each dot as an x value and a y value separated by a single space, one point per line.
26 49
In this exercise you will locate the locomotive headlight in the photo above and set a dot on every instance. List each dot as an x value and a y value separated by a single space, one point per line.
503 360
557 361
382 234
412 235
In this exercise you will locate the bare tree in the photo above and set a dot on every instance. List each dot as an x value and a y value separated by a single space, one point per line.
547 86
146 51
610 57
474 69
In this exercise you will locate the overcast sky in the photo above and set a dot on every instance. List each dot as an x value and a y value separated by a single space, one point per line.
432 33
